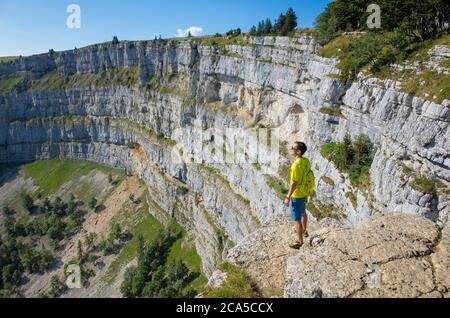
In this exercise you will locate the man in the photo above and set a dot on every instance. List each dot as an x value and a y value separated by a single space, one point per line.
297 196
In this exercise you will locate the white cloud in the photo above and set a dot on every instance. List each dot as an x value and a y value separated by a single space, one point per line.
195 31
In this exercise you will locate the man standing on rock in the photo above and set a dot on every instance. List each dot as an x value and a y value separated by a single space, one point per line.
301 185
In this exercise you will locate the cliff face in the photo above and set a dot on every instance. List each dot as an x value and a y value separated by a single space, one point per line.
125 104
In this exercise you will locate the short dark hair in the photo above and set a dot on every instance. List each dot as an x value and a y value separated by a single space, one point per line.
301 146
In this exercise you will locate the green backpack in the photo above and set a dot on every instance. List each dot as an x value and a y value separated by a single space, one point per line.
308 184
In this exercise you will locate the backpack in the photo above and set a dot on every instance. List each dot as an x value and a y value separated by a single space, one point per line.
308 184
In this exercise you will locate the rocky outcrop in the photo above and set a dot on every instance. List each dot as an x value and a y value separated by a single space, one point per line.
390 255
137 104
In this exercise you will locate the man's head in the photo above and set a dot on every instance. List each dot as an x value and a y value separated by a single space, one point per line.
298 148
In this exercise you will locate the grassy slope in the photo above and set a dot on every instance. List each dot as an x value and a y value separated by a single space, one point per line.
8 58
6 85
146 225
189 256
50 175
428 84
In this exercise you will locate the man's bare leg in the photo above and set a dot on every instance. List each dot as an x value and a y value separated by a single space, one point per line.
304 221
299 230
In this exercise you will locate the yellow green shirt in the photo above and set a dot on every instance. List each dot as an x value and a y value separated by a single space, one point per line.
299 169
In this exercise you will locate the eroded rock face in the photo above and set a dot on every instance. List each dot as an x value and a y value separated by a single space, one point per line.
390 255
264 253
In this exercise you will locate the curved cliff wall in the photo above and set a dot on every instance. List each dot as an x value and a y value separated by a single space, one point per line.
125 105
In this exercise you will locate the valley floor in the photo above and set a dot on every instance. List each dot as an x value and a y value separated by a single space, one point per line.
120 201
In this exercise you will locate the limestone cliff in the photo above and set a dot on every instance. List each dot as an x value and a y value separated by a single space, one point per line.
122 104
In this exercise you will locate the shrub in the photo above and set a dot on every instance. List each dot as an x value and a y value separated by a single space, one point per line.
27 201
337 112
353 157
92 203
181 191
426 185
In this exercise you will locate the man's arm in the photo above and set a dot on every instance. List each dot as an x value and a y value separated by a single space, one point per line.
291 190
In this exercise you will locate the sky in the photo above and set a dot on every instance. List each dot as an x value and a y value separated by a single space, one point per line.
34 26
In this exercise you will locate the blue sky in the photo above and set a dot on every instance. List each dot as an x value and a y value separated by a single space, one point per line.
34 26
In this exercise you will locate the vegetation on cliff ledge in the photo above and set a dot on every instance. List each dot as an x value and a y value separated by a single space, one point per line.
407 27
237 284
353 157
156 275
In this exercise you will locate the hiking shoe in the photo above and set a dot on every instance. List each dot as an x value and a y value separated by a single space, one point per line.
295 244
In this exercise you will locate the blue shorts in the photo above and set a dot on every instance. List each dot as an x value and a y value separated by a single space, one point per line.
297 208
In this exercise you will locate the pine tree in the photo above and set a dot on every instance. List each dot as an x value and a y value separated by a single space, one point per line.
115 40
252 31
260 30
290 22
279 23
268 27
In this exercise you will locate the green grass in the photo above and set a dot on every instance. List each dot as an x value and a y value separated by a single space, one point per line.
423 184
446 63
328 180
278 185
432 86
223 40
123 76
148 227
5 59
189 256
7 85
171 90
419 51
374 53
176 86
50 175
337 112
352 198
320 210
336 47
426 185
237 285
231 54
